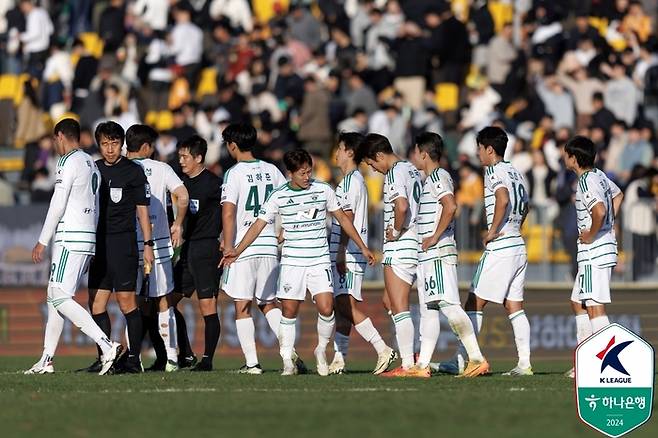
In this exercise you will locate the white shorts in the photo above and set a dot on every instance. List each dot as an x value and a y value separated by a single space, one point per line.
294 281
405 272
66 269
252 278
161 279
348 284
438 282
592 285
500 278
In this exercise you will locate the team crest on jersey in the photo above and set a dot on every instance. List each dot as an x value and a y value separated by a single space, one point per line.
148 171
194 206
286 288
116 193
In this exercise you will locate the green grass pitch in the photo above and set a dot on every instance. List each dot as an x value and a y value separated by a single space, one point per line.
224 404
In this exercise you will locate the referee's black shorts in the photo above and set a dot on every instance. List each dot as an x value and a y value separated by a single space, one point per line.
197 269
114 267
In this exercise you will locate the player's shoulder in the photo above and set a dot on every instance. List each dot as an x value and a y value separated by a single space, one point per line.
73 158
278 191
352 181
590 179
320 185
402 169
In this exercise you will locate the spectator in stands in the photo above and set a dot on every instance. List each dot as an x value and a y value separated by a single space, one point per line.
36 38
501 53
314 125
639 210
637 151
469 202
186 42
111 25
620 94
41 189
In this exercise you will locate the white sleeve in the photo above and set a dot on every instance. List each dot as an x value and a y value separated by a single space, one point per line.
398 188
230 190
172 181
592 195
279 179
441 187
350 198
270 209
63 184
332 200
614 188
492 180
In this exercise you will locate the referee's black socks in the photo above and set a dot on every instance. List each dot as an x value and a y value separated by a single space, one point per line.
103 321
184 347
211 336
134 324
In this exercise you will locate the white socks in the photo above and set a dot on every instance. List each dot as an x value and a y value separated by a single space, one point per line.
83 320
287 333
326 325
463 327
475 316
370 334
246 335
54 327
404 333
430 328
583 327
521 328
341 344
168 333
273 317
599 322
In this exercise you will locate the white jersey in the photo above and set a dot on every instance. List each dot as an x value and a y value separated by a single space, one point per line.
437 185
504 175
402 181
76 193
352 195
247 185
161 180
303 217
594 187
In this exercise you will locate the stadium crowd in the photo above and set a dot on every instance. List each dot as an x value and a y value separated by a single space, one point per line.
301 71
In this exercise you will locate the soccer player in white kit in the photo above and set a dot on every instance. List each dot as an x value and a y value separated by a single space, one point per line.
500 275
302 204
402 189
71 220
254 274
348 263
437 260
597 202
140 141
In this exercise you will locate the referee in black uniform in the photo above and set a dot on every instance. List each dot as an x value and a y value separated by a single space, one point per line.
124 194
197 269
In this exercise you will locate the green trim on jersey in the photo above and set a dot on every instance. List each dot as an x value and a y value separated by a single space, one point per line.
66 156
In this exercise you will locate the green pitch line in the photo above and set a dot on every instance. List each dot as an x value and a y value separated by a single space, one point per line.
221 403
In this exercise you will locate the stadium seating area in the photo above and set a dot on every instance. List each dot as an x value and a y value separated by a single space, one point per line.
303 70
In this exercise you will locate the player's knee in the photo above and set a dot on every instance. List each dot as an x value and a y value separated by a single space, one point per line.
242 309
57 295
325 309
127 302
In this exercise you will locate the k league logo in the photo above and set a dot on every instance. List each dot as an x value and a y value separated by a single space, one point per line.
614 380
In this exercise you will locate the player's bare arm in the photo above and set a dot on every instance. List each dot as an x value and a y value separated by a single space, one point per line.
182 201
598 216
145 225
449 208
400 209
342 246
348 228
616 202
252 233
502 200
228 224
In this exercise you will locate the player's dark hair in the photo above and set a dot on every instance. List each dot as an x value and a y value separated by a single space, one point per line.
374 143
431 143
110 130
196 145
295 159
69 128
242 134
583 149
137 135
352 142
495 137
